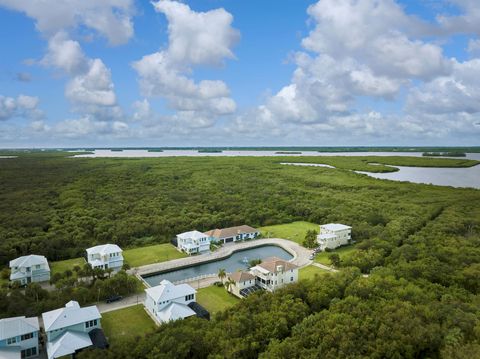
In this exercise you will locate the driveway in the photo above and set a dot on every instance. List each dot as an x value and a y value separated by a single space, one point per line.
300 255
124 303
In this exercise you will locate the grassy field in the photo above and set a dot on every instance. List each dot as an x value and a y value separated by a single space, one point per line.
294 231
151 254
310 272
62 266
343 252
215 299
126 323
135 257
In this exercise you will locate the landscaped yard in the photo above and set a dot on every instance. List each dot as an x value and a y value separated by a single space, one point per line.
343 252
294 231
62 266
126 323
309 272
151 254
215 299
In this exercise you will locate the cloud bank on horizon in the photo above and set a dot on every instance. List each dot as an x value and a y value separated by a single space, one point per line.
364 72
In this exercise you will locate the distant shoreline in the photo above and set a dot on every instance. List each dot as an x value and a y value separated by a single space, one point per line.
393 149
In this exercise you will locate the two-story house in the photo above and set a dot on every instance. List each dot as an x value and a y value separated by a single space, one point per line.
271 274
333 235
232 234
19 337
193 242
167 301
28 269
274 273
70 329
105 256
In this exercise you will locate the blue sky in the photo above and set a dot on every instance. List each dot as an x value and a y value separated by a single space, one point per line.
290 72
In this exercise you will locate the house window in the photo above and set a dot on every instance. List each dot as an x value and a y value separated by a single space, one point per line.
291 279
189 297
91 323
11 340
26 336
29 352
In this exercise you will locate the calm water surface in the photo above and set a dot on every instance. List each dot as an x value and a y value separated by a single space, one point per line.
238 260
194 153
456 177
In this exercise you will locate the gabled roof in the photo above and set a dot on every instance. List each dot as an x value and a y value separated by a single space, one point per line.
175 311
68 343
241 276
29 261
70 315
271 264
335 226
192 235
12 327
168 291
230 231
104 249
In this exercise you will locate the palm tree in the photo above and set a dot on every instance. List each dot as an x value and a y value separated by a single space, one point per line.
109 272
229 283
222 274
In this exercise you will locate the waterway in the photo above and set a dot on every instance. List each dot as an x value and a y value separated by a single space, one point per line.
456 177
237 261
195 153
463 177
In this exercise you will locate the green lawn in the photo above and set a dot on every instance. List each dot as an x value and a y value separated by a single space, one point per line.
215 299
126 323
294 231
151 254
343 252
62 266
309 272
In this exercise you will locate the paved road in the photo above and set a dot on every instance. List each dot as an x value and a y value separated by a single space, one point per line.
300 258
124 303
300 255
323 266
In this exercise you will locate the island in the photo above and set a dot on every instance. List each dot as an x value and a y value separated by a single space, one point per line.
444 154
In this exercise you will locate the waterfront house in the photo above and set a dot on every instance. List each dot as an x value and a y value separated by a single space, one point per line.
71 329
241 281
271 274
193 242
232 234
19 337
274 273
28 269
167 301
333 235
105 256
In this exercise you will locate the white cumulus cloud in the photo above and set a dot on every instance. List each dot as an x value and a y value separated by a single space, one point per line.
195 38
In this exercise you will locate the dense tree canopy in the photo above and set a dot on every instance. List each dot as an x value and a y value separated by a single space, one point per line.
419 245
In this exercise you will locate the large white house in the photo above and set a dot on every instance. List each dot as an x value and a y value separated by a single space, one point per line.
70 329
193 242
271 274
105 256
167 301
28 269
19 337
232 234
333 235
